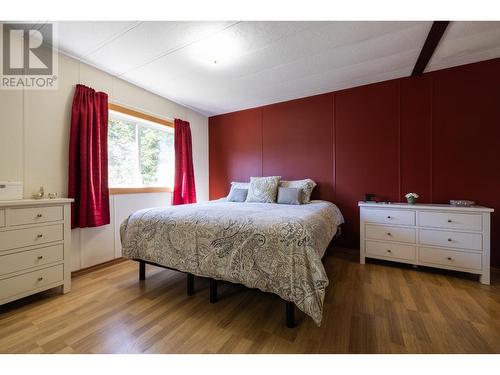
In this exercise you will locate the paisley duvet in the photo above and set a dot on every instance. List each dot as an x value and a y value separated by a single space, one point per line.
273 247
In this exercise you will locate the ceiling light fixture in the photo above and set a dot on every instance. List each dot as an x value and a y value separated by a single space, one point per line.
220 49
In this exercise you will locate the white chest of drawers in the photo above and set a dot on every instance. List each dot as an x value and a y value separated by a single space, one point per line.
433 235
35 240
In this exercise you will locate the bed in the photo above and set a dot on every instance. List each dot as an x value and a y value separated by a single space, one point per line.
272 247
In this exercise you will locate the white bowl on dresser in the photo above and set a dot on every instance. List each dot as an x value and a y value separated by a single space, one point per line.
433 235
35 240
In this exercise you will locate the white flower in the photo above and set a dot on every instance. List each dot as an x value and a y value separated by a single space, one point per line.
410 195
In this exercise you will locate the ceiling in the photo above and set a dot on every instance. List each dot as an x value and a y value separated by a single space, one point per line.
220 67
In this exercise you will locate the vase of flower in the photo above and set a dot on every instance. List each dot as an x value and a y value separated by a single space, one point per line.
411 198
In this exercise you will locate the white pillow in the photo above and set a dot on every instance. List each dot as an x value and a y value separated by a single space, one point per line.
240 185
263 189
307 185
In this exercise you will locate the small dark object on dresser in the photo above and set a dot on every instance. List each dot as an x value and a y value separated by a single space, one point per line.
369 197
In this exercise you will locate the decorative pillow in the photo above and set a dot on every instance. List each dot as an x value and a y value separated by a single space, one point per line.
240 185
306 185
263 189
289 195
237 185
237 195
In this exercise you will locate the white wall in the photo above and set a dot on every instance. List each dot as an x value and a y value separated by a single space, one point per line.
34 137
92 246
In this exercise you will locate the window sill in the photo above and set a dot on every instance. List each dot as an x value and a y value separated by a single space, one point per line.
140 190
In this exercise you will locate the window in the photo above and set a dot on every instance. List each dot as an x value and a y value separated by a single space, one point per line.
140 152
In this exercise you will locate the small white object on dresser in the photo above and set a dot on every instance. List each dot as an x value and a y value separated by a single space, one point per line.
10 190
433 235
35 240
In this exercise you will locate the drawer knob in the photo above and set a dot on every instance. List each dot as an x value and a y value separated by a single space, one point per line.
39 235
449 220
389 217
40 257
449 240
389 251
40 278
449 258
389 234
39 215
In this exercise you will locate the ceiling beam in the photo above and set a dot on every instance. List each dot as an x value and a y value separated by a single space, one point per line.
436 32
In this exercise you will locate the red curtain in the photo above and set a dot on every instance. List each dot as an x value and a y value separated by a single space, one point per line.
184 187
88 159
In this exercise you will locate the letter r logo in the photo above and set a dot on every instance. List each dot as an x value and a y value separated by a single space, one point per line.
27 49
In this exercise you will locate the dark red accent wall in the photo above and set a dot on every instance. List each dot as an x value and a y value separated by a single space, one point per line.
366 149
298 136
437 135
235 143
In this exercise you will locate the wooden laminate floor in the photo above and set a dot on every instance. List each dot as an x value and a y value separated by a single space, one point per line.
375 308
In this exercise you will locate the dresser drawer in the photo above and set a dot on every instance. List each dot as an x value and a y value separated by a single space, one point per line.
459 240
33 215
27 282
448 258
450 220
388 233
390 250
2 218
31 258
383 216
14 239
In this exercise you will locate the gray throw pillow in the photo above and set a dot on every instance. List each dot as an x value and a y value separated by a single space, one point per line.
289 195
263 189
238 185
237 195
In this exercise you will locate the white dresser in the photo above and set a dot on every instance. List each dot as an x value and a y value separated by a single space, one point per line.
35 240
434 235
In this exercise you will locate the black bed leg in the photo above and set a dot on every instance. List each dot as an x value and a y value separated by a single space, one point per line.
190 284
142 270
290 314
213 290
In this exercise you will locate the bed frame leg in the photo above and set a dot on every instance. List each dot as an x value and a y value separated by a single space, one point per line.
290 314
190 284
213 290
142 270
